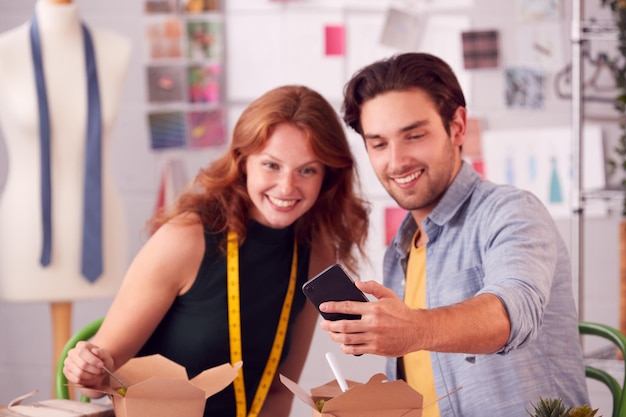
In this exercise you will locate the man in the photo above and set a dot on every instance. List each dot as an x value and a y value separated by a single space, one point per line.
477 283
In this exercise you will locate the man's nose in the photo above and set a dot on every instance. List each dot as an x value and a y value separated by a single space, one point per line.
397 154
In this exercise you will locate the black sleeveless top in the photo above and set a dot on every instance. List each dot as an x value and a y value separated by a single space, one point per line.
194 332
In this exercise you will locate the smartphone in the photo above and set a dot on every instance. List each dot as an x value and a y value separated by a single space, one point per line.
333 284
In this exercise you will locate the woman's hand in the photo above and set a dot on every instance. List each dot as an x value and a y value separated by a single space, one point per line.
84 364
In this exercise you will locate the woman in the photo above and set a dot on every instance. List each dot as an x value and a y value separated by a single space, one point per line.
284 195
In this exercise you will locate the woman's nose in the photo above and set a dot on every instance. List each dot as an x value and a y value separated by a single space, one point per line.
286 183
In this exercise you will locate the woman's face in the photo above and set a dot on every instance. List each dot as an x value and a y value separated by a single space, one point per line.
284 178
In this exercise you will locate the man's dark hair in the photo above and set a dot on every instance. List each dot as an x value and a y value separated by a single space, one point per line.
401 73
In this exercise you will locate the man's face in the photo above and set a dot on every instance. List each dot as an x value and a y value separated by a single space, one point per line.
412 154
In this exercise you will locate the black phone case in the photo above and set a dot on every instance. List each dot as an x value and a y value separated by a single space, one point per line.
333 284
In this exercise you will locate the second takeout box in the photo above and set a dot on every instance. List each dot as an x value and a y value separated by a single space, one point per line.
159 387
375 398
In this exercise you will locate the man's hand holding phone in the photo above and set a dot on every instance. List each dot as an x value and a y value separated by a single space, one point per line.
382 328
333 284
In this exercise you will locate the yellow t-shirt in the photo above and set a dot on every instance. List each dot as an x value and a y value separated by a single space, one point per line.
418 368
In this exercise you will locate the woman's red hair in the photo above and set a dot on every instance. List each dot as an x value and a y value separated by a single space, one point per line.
218 194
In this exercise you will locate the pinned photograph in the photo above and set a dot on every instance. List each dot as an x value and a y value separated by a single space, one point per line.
199 6
204 40
204 83
160 6
206 128
164 38
166 84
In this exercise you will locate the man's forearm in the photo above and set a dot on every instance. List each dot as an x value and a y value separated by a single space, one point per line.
478 325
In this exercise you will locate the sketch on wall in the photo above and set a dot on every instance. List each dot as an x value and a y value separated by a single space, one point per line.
540 45
540 161
279 36
533 10
402 30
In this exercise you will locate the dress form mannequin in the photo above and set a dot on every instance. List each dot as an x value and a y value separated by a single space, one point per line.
22 277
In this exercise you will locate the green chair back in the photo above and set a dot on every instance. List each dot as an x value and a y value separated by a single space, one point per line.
60 381
616 388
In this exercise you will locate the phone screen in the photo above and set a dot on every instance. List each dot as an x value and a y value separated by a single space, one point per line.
333 284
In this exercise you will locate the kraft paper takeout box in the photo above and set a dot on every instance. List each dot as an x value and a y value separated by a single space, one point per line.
375 398
56 407
159 387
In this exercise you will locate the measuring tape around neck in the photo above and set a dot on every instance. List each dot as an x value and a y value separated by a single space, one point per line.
234 326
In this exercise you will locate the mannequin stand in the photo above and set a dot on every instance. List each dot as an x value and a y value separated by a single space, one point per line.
61 314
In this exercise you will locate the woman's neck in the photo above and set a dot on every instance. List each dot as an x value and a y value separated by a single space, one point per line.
55 17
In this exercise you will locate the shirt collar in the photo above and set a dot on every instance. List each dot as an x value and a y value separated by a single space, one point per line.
455 196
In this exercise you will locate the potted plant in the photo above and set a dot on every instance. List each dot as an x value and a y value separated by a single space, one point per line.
617 161
618 10
554 407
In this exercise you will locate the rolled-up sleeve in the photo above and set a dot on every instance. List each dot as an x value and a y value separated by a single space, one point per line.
519 260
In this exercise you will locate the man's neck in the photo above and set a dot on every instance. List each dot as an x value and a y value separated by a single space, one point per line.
420 237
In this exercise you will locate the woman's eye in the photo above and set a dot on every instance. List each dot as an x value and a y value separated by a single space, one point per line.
270 165
309 171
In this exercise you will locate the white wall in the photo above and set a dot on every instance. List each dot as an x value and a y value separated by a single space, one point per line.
270 44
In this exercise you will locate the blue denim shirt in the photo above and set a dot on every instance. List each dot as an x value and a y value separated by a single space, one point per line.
496 239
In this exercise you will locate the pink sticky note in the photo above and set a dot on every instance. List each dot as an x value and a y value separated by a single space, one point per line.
393 218
335 40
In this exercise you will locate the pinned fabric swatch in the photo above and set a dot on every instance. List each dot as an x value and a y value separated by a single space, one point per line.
525 88
480 49
167 130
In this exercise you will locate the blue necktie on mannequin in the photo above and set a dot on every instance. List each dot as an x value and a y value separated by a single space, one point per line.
91 263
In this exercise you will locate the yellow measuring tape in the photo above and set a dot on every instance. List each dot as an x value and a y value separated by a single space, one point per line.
234 325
